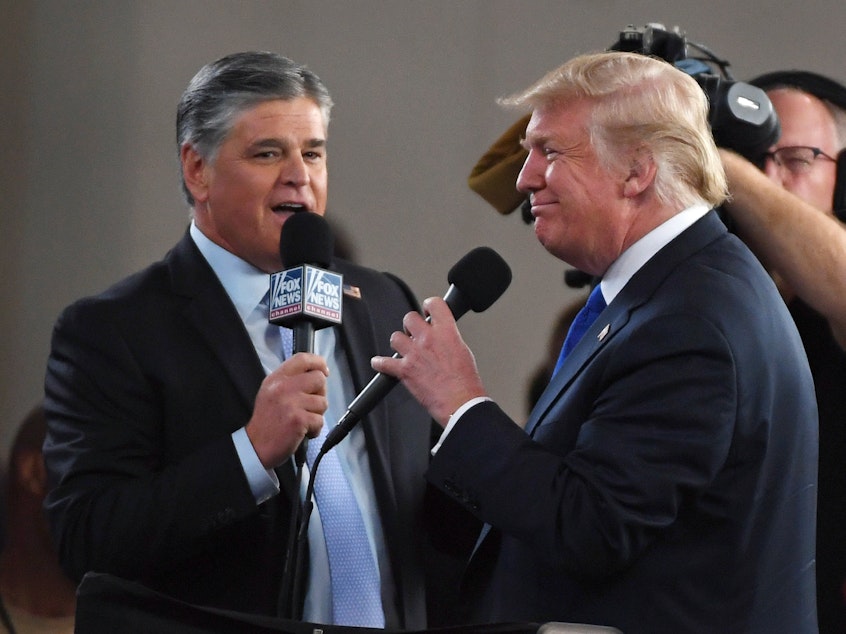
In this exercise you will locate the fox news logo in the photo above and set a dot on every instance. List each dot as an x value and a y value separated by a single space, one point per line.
306 291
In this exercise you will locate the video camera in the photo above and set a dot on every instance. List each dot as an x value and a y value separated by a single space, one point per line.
741 116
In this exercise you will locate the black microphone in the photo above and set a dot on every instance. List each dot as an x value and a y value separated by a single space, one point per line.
476 281
305 296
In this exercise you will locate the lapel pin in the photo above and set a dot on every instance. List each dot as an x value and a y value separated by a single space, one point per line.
602 333
352 291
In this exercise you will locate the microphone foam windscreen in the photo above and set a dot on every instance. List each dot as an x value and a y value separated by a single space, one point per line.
482 277
306 238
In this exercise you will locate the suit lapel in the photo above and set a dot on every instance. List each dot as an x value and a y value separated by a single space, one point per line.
358 339
210 311
602 331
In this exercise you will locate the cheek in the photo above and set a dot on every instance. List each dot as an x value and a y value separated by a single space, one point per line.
320 186
818 193
234 185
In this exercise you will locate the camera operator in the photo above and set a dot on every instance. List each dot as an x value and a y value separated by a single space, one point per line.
788 216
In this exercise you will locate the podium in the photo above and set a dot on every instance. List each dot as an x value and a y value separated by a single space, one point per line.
107 604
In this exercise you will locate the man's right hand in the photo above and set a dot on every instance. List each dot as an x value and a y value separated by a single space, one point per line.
289 407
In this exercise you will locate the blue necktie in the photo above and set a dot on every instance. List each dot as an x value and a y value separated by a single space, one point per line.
354 573
585 317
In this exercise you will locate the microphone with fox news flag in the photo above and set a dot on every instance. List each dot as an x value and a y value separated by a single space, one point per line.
305 296
476 281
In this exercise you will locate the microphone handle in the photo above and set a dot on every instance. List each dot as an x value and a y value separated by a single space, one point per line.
303 342
366 400
303 336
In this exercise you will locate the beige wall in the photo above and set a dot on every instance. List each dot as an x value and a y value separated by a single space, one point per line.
87 159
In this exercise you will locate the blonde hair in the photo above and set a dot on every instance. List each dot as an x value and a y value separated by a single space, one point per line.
641 102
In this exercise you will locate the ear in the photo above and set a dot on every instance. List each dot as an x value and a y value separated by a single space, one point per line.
642 170
194 172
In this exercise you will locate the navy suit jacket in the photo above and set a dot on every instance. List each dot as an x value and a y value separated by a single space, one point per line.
145 384
666 479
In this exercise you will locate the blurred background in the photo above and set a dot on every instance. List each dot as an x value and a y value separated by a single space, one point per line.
89 188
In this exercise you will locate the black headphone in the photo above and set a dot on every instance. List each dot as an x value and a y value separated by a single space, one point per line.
822 88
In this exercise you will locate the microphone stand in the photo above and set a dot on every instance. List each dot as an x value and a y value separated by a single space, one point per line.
290 601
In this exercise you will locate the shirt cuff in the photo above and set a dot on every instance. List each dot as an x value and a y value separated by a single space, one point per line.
263 482
454 419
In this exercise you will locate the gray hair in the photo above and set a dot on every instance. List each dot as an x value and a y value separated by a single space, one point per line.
641 101
222 90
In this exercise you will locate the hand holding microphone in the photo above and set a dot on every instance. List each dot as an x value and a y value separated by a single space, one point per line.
433 361
476 281
304 297
289 406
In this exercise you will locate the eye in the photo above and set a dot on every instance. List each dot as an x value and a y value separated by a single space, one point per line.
796 162
550 153
267 154
312 155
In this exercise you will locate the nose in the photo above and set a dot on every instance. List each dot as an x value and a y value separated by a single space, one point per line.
531 177
294 171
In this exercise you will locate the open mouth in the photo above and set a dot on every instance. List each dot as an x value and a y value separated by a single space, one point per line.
289 208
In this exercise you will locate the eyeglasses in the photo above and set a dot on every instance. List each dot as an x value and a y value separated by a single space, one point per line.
796 159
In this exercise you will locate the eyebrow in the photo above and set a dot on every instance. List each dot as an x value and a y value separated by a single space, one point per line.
536 141
280 143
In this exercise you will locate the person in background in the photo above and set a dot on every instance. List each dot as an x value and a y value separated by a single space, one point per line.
666 479
174 408
36 597
786 213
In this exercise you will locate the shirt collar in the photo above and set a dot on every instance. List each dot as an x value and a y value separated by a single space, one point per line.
638 254
244 284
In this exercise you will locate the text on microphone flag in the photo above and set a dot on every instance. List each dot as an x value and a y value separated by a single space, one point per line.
321 299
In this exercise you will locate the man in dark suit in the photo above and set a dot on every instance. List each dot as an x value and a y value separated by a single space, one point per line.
665 480
172 414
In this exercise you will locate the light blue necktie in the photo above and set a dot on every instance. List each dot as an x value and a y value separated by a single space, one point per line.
278 341
354 573
584 319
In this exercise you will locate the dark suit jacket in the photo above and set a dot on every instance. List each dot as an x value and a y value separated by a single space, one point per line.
146 382
669 481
